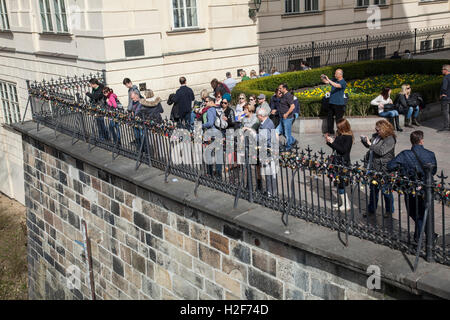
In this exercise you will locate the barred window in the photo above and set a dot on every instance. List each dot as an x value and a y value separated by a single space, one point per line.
4 21
184 13
9 102
362 3
53 13
311 5
292 6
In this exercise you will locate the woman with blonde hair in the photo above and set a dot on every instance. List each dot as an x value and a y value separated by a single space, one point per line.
152 107
342 146
381 151
408 105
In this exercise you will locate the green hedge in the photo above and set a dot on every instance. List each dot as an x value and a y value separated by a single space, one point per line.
358 105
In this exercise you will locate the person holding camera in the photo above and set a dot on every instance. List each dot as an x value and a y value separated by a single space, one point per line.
381 151
386 107
336 107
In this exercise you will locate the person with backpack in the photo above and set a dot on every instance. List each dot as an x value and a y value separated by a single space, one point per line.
412 162
113 104
209 116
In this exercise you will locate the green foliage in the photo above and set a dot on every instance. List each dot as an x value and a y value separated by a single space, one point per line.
359 104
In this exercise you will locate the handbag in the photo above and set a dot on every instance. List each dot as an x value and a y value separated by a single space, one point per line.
389 107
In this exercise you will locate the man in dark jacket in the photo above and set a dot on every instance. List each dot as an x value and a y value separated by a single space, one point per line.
131 88
410 162
445 97
97 97
184 97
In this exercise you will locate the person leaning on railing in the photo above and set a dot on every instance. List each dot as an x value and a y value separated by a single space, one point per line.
381 151
97 97
152 107
386 107
410 162
113 103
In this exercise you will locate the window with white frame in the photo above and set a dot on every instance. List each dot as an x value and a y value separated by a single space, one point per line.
4 22
184 14
9 102
311 5
53 15
379 2
292 6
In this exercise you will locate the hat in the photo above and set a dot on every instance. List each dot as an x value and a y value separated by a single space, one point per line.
262 96
212 97
227 97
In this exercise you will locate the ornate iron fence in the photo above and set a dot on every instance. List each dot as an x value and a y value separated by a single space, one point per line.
319 54
305 185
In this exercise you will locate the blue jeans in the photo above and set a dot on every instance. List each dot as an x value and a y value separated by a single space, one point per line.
102 131
389 114
285 128
114 130
193 116
373 200
411 110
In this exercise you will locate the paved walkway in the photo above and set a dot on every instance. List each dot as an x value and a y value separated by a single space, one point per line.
439 143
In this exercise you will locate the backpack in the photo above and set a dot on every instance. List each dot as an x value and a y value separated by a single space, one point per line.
219 122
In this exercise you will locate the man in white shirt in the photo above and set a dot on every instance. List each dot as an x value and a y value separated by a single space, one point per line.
229 81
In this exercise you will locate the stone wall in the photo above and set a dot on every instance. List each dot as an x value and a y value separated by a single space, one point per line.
148 246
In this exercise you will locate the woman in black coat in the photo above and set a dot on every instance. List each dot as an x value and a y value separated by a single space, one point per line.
342 146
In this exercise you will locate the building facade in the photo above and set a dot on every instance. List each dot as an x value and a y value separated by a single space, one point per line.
284 23
154 42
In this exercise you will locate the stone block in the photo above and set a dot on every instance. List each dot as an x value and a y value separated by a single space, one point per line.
138 262
292 293
199 233
162 277
234 269
203 269
173 237
209 256
192 277
227 282
264 262
126 213
265 283
191 246
184 289
240 251
219 242
250 293
183 225
213 290
150 288
118 266
157 229
326 290
155 212
141 221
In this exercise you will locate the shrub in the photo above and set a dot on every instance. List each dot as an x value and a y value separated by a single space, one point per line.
358 105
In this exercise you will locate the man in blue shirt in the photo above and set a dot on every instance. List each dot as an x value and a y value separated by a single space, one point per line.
336 108
445 97
410 162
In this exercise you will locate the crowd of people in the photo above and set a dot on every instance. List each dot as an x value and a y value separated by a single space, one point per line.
215 109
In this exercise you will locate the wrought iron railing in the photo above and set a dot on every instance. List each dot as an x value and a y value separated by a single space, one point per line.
383 46
304 186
